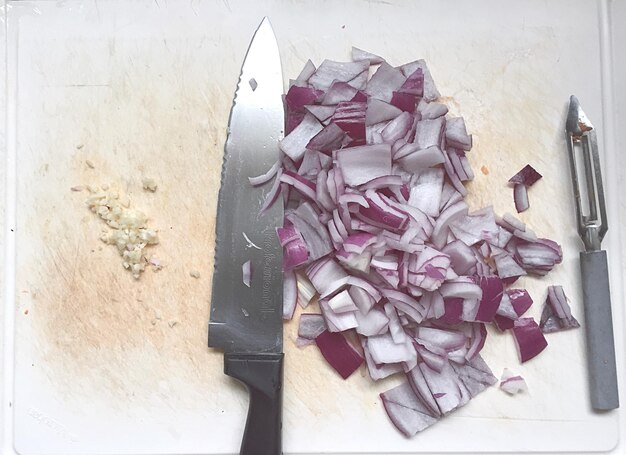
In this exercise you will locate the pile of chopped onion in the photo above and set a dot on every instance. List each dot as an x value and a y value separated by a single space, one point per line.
376 226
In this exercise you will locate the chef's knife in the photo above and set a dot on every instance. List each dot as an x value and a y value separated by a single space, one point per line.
246 321
592 226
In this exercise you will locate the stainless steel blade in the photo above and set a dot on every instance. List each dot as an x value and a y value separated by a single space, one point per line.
249 319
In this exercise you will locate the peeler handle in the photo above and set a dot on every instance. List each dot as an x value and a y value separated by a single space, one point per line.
599 331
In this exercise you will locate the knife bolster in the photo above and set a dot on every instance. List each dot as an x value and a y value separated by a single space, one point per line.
262 375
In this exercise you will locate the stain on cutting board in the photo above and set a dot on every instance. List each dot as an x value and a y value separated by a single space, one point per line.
93 320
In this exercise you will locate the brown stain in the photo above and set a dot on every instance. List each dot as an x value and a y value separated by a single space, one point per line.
95 326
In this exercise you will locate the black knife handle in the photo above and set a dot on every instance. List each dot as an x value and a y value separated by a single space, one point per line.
262 374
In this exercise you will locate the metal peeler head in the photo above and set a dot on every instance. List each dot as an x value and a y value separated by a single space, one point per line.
582 145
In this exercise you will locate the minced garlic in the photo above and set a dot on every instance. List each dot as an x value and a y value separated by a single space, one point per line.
129 230
149 184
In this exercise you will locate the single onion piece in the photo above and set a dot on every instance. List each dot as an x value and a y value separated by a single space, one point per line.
527 176
246 270
374 322
342 302
520 300
477 342
375 371
476 226
307 72
462 258
272 195
520 196
384 350
449 340
362 164
294 144
322 113
290 294
287 234
430 90
407 413
384 82
512 383
492 288
507 266
338 353
528 338
379 111
456 134
330 71
330 138
350 117
311 326
295 253
431 110
296 98
360 55
264 178
414 84
557 314
404 101
337 322
448 390
475 375
338 92
453 311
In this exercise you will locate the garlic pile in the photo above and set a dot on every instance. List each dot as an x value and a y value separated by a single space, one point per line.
129 230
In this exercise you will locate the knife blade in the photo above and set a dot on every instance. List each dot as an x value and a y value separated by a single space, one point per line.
246 321
592 225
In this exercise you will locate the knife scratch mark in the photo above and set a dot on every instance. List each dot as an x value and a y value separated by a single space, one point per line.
250 242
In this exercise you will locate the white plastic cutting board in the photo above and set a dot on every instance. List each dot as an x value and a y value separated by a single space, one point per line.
144 89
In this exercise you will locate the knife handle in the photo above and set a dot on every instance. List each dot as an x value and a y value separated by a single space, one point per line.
262 374
599 330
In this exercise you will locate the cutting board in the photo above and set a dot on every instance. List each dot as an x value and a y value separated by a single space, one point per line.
104 363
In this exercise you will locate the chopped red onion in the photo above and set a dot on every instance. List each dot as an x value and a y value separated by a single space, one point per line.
342 302
527 176
264 178
520 196
246 270
379 111
377 226
290 294
512 383
475 375
294 144
350 117
338 353
330 71
384 82
322 113
374 322
557 314
528 338
431 110
362 164
360 55
330 138
430 91
408 413
492 288
311 326
307 72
